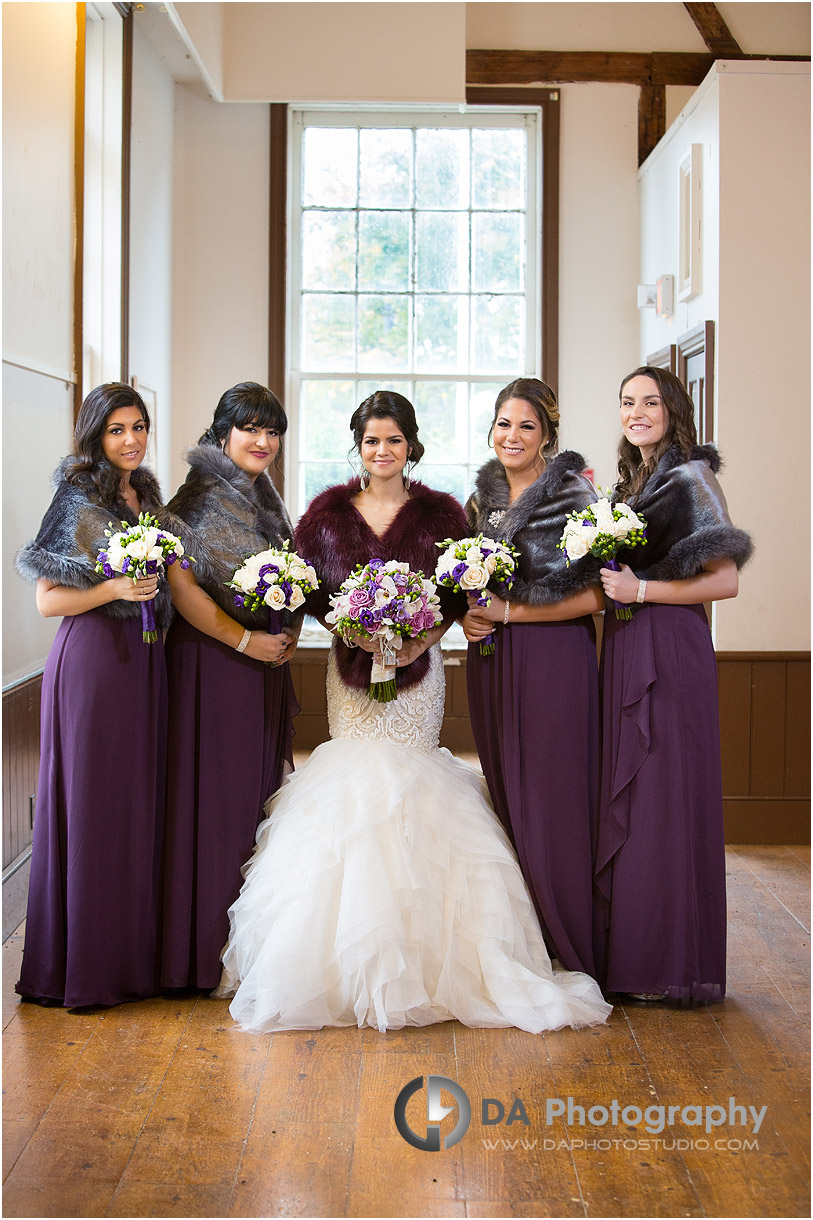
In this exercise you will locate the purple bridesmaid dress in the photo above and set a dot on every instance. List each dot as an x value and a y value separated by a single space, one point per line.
230 738
660 865
535 715
92 920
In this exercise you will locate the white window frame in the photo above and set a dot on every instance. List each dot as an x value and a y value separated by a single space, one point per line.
478 116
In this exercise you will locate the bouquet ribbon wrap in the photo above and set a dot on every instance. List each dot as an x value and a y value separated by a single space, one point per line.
382 674
622 611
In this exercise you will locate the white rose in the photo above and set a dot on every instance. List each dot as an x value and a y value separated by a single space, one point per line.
157 554
244 579
296 568
474 555
138 549
115 553
311 577
491 544
490 563
475 577
605 520
297 597
577 544
275 598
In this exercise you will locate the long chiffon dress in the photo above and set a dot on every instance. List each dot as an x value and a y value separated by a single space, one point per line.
534 705
230 738
91 934
383 890
660 861
661 854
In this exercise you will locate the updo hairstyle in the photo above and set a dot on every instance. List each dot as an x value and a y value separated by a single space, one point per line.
542 399
386 404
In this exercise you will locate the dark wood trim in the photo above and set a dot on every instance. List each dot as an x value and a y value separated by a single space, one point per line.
716 34
549 102
556 67
700 341
802 656
665 358
651 118
79 209
608 67
277 256
126 145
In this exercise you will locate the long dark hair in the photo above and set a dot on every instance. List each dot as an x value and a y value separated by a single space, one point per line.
542 399
386 404
681 430
89 468
244 404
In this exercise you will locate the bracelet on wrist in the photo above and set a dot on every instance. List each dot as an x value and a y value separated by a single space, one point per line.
241 647
641 592
506 613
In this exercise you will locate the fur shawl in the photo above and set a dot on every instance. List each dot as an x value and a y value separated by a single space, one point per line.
534 524
222 517
334 537
72 534
687 518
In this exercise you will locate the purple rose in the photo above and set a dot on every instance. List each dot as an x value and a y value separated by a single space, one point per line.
359 597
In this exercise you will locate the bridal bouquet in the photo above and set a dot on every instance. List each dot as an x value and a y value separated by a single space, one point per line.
388 602
470 564
141 550
602 529
276 578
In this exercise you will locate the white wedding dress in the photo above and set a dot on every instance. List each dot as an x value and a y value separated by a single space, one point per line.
383 890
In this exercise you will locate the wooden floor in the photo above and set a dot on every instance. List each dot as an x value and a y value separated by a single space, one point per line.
163 1108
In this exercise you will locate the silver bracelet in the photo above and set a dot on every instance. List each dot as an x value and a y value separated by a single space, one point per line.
505 615
641 591
241 647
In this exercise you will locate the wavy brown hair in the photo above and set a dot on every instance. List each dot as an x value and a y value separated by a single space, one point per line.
89 468
681 430
542 399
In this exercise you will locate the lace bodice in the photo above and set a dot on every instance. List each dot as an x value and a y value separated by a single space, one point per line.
413 719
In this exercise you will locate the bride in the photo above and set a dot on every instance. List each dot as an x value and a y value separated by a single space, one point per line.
383 890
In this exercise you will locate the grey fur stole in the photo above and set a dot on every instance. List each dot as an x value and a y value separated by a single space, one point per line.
72 534
687 518
534 525
222 517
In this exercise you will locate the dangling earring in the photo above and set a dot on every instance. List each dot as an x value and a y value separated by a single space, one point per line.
364 479
410 467
542 455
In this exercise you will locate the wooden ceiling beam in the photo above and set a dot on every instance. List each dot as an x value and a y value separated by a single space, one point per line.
716 34
610 67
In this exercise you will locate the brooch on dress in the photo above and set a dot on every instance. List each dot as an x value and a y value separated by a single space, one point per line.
495 518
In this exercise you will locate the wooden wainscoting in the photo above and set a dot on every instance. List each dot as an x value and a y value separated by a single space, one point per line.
21 749
765 736
764 725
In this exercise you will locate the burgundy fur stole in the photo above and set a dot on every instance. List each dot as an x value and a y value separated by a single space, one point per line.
334 537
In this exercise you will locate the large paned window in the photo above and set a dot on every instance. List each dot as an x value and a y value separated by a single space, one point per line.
414 266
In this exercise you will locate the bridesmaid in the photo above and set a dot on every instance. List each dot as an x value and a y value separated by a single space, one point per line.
534 702
231 696
660 866
91 927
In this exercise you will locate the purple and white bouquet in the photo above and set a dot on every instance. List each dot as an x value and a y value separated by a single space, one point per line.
471 564
602 529
388 602
277 578
141 550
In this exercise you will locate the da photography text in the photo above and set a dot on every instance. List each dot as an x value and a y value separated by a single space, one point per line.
425 1133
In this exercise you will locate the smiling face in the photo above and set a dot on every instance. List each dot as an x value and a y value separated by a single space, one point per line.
252 448
644 418
384 449
124 439
518 437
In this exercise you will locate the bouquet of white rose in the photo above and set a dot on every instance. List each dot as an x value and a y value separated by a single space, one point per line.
388 602
470 564
276 578
602 529
141 550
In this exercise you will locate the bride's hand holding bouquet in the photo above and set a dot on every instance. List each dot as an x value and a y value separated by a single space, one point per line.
388 606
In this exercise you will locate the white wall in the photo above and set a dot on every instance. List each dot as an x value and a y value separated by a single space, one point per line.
598 244
38 221
753 123
219 260
151 222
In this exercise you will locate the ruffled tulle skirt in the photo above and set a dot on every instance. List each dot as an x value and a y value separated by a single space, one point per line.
383 891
